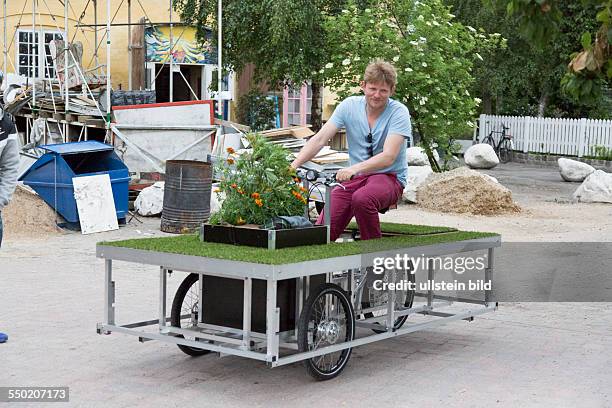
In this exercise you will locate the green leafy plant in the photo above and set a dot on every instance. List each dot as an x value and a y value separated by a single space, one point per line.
256 111
258 185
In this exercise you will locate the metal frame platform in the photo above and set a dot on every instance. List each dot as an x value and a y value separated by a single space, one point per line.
266 346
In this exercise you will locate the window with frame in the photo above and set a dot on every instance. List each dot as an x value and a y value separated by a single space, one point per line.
31 61
297 103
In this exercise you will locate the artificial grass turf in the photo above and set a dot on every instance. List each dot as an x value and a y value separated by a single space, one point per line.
191 245
408 229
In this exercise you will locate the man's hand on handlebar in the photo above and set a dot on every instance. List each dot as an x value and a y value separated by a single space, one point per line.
345 174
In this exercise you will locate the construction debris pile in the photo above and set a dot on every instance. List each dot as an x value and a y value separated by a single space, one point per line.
465 191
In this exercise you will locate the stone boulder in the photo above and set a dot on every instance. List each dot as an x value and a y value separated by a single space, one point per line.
416 177
481 156
596 188
150 201
572 170
416 156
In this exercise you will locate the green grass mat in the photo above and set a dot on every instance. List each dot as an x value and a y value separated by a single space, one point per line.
409 229
191 245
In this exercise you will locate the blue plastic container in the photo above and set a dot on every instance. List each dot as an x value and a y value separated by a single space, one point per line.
51 175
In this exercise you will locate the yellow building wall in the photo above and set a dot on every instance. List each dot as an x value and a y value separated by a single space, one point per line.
50 16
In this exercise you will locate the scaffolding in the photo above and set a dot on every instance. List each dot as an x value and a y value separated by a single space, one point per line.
103 112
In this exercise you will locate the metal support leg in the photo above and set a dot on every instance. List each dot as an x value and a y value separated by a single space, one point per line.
109 293
390 302
200 299
246 314
489 275
299 299
272 322
162 297
430 279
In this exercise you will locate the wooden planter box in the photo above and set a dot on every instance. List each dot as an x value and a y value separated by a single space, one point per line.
264 238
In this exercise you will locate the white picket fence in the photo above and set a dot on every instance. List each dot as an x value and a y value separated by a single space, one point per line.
571 137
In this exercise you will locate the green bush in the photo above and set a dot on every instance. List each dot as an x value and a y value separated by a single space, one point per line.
255 110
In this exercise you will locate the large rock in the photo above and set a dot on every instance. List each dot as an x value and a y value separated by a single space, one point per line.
416 156
416 177
596 188
150 201
481 156
572 170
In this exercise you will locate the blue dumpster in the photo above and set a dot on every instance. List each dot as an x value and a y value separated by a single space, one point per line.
51 175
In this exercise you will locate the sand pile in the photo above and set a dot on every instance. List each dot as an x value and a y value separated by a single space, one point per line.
465 191
28 215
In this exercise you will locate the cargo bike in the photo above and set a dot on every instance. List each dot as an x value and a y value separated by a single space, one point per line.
310 304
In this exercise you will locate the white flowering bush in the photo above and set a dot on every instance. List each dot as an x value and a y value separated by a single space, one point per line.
433 55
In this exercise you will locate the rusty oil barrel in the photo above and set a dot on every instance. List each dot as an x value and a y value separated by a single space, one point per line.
186 196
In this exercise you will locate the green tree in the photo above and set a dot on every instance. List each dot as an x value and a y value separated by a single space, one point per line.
432 53
523 79
284 39
590 69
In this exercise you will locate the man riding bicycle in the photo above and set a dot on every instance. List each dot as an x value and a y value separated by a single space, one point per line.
377 128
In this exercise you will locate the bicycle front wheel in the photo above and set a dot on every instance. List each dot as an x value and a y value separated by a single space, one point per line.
326 320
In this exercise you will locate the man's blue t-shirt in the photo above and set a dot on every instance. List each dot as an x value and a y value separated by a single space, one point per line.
395 120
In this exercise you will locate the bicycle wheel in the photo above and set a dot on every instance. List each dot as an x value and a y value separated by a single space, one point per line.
184 313
327 319
403 298
505 151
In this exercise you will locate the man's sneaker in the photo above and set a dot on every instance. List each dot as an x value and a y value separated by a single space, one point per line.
3 337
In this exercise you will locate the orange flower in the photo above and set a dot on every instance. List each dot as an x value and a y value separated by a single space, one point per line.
234 185
255 195
297 180
302 189
258 202
230 161
230 150
241 191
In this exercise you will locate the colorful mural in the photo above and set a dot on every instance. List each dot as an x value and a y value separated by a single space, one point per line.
186 48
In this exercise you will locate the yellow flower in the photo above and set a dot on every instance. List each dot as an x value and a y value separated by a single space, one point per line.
217 190
258 202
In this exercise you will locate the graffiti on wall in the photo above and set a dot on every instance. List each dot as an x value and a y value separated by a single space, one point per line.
186 49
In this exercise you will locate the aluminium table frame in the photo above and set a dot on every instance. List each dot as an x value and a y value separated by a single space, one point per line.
266 346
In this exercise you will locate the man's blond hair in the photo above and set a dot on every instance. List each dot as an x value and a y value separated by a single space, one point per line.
380 71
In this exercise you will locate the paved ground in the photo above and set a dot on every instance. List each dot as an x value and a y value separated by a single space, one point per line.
523 355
